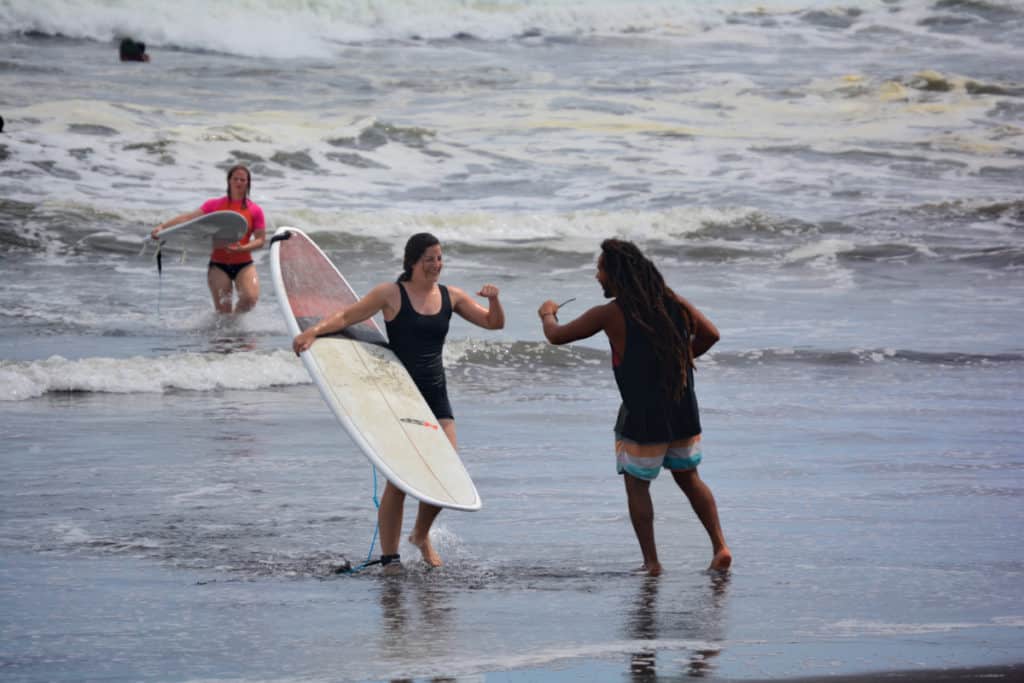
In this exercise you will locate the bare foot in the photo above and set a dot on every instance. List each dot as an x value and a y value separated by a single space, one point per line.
430 555
648 570
721 561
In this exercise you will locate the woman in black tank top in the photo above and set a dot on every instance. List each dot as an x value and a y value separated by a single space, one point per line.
417 310
418 341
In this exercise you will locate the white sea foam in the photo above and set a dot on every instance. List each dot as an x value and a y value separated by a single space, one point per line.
526 150
862 627
204 492
572 232
71 533
186 371
823 249
294 28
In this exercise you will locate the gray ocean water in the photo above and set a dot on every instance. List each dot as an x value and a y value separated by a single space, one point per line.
836 185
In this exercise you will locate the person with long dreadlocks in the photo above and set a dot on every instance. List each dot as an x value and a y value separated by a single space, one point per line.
655 335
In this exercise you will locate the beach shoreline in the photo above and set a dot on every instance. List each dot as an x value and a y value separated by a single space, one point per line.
1005 673
602 671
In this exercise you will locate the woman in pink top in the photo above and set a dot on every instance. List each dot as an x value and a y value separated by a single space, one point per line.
231 268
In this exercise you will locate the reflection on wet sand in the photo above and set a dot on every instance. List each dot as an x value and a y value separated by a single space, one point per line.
700 620
402 627
642 625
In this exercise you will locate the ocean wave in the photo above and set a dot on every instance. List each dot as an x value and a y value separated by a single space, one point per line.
987 235
858 356
538 148
985 10
302 29
528 356
72 227
23 380
217 371
297 29
464 359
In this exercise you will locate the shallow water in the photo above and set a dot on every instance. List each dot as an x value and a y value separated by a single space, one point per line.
242 504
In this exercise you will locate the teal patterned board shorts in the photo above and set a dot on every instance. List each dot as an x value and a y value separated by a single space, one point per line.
679 458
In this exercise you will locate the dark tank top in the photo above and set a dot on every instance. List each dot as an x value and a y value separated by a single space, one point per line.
418 340
647 414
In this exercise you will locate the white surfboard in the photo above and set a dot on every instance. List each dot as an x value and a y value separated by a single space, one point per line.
215 229
361 379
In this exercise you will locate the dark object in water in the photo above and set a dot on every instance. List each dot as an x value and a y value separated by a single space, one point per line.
133 51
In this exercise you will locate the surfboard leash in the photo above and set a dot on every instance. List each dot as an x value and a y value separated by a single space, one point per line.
158 255
384 559
159 275
159 269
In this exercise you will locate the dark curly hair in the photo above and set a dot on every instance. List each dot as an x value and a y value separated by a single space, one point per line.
640 289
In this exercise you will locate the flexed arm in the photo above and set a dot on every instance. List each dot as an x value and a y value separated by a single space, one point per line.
490 318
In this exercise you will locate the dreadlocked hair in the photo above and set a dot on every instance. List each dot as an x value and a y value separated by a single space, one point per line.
641 291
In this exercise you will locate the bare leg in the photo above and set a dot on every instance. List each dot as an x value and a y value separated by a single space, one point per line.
247 284
420 536
641 513
220 289
389 517
703 503
449 430
426 514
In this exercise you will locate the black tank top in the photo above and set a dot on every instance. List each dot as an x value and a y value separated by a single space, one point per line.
418 340
647 415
